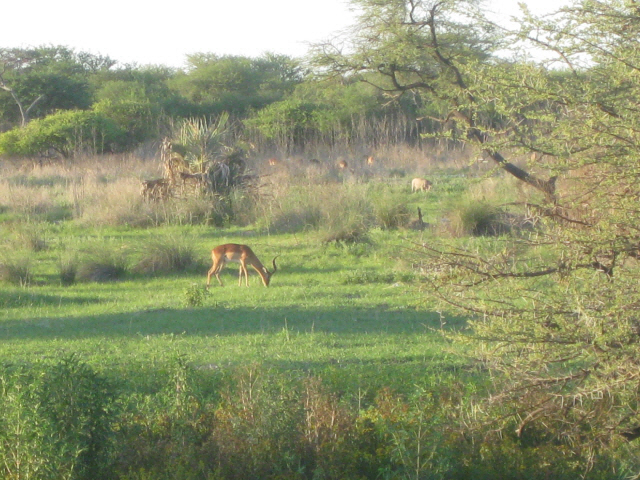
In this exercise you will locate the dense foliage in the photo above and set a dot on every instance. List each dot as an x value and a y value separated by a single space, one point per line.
555 310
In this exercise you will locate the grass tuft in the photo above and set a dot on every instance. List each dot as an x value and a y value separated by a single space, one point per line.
16 271
101 266
173 254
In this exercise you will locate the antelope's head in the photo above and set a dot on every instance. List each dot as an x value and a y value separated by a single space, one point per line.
267 274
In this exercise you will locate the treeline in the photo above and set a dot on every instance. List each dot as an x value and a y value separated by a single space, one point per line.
55 101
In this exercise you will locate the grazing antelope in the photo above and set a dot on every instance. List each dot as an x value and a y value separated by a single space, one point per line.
420 184
242 254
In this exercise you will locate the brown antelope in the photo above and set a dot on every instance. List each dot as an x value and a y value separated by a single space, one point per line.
242 254
342 165
370 160
420 184
154 190
273 162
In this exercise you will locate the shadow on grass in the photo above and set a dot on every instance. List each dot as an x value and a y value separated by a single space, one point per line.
17 299
224 321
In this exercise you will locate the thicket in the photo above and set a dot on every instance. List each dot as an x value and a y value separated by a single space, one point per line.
66 420
275 105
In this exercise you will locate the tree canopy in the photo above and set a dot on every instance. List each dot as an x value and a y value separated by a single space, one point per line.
555 312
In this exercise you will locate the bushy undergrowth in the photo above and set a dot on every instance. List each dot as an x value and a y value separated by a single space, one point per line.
57 423
65 421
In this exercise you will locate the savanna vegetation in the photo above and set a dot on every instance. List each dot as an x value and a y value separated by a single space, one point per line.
484 328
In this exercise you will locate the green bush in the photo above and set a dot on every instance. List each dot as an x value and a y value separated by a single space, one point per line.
66 133
76 406
56 422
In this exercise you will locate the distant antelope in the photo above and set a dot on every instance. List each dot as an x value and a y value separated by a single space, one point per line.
342 165
154 190
420 184
369 160
273 162
242 254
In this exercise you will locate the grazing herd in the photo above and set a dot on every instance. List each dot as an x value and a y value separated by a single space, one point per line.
242 254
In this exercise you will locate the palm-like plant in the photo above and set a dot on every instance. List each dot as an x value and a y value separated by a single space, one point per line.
202 140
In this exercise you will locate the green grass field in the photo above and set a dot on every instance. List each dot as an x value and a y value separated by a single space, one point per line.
339 369
354 309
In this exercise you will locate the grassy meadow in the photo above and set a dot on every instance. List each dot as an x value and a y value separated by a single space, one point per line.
338 370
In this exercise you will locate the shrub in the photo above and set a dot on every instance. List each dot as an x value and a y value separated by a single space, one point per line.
65 132
77 406
194 295
56 422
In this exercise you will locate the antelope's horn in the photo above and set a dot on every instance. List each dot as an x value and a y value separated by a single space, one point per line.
275 267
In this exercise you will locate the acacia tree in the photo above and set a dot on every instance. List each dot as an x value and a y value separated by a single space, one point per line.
555 313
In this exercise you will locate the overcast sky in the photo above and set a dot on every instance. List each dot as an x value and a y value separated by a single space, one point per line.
143 32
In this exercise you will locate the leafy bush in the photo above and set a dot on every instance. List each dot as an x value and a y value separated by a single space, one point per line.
56 422
194 295
77 408
65 133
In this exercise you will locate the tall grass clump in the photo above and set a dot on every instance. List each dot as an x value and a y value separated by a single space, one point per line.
112 204
31 236
480 211
68 269
300 210
390 210
166 255
348 214
101 265
16 270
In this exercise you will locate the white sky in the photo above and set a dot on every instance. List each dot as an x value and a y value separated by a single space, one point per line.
163 33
